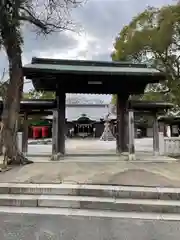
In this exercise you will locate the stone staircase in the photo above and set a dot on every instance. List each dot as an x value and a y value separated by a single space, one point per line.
121 199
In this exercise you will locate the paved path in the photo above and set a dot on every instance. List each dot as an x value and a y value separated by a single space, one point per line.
82 150
40 227
90 146
126 173
97 169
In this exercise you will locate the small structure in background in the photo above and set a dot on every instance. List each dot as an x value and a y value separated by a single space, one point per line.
107 133
170 138
171 125
139 133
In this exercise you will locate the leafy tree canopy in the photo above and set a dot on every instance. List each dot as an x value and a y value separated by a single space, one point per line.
153 37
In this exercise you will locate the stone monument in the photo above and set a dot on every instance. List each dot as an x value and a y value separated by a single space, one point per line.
107 133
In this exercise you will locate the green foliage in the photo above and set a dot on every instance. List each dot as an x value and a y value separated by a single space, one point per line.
154 37
33 94
113 99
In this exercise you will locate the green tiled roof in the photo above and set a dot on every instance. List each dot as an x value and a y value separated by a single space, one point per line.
93 76
80 66
92 69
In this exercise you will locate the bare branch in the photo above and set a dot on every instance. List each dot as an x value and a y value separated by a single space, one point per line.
50 16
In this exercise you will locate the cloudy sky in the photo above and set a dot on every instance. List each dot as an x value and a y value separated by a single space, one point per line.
99 21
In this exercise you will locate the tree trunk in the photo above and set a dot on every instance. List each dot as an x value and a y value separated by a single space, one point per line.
12 100
1 139
3 90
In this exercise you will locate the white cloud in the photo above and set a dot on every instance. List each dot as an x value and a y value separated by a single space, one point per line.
84 40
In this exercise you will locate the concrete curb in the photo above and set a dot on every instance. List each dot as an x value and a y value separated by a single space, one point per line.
116 192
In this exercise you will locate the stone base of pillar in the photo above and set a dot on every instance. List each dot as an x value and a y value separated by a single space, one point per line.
57 157
131 157
156 154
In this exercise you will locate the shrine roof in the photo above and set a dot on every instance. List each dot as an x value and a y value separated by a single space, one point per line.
92 111
35 106
38 104
170 119
149 105
83 66
81 76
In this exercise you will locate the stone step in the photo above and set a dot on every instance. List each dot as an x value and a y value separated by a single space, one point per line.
88 213
132 192
92 203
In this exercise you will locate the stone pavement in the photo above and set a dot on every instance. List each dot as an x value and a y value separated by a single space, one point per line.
76 227
119 173
93 150
88 146
104 167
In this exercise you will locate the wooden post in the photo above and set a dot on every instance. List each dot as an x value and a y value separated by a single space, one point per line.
25 134
59 126
121 135
155 135
131 135
54 132
161 127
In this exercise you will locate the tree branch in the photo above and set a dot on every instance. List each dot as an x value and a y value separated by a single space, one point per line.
55 16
